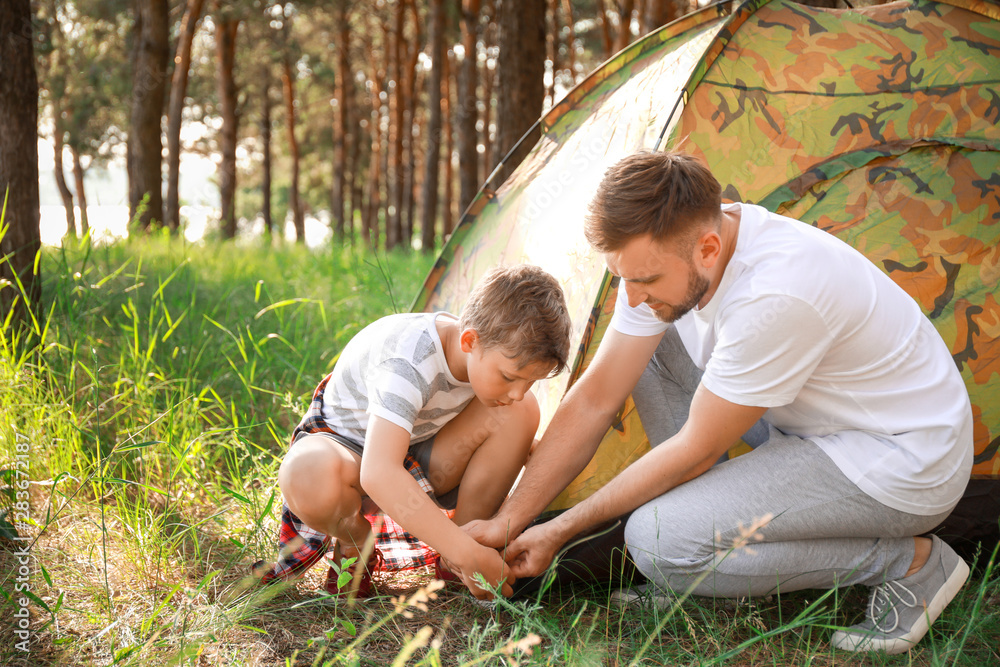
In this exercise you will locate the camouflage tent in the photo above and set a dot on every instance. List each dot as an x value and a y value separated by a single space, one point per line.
879 125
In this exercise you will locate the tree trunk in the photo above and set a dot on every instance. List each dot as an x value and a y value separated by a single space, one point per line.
394 173
552 48
415 166
150 52
624 37
521 88
342 129
447 215
466 109
288 81
602 18
429 204
373 204
350 184
338 177
54 34
19 161
570 41
489 81
64 192
373 195
81 193
373 199
410 122
357 201
178 89
382 212
265 136
225 50
357 158
657 13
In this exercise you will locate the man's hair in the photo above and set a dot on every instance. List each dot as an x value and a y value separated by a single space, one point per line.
667 195
521 310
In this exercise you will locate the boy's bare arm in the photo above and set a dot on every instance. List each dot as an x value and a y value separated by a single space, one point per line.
573 436
388 483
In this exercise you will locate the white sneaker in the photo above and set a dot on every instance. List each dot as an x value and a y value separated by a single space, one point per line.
642 595
900 612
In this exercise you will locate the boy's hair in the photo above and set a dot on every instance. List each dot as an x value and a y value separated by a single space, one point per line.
521 309
668 195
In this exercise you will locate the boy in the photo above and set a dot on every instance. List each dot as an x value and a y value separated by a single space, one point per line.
450 395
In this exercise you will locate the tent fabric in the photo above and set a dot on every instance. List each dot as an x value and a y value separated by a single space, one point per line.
534 216
880 125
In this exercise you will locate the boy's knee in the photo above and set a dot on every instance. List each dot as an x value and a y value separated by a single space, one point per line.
313 478
520 417
523 418
528 413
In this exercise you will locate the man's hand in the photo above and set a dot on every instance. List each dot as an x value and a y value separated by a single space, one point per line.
489 563
532 552
493 533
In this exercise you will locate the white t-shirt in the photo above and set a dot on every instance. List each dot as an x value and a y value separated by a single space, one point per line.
395 369
806 326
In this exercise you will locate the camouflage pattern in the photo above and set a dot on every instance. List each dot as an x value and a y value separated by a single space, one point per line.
880 125
923 218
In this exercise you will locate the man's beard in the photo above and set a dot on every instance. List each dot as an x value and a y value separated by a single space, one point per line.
697 287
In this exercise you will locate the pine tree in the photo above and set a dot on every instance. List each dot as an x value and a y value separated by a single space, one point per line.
432 156
18 160
178 89
521 88
150 52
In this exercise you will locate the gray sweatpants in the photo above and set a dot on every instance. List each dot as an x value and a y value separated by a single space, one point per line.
823 532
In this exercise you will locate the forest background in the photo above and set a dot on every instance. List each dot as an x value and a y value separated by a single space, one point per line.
386 116
148 384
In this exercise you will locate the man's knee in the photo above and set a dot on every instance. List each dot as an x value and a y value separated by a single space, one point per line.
664 550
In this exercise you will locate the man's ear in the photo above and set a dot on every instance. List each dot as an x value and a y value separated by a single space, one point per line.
708 249
468 339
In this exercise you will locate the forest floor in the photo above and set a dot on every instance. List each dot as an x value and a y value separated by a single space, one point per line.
148 407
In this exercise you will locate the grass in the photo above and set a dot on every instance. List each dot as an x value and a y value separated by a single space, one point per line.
150 404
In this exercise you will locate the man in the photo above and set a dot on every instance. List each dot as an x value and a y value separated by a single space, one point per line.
732 321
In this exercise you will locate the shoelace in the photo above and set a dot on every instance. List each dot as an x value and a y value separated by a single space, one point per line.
882 611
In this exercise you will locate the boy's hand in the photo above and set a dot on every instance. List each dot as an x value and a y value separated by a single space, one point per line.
489 563
532 552
493 533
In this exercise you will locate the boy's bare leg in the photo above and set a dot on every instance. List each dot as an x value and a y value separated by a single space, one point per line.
483 449
320 481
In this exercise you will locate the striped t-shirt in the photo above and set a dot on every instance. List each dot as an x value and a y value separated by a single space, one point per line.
395 368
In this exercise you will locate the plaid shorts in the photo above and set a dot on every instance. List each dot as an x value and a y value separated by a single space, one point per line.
300 547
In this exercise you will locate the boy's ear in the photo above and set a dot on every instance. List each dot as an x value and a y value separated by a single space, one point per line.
468 340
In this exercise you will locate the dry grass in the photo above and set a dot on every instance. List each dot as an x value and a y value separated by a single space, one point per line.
198 611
